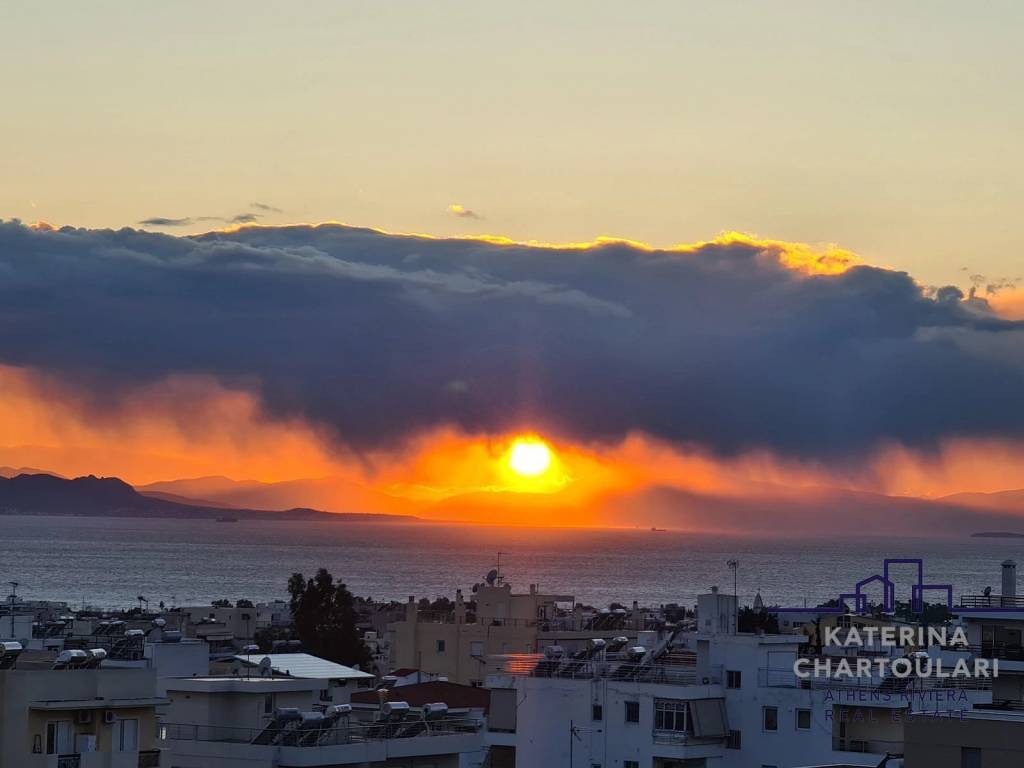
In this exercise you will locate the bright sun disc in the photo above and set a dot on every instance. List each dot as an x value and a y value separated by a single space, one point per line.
529 458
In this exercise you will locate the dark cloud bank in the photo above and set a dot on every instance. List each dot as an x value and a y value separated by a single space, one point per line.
376 336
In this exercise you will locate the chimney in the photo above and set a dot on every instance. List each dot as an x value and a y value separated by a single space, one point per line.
1009 578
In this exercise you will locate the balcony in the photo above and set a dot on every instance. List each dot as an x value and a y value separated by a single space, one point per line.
991 601
999 651
69 761
682 738
353 733
866 746
149 758
786 678
610 666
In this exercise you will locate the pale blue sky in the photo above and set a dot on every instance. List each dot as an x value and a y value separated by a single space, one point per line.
891 128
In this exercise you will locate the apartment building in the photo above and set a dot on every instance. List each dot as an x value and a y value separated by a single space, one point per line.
270 721
455 643
711 698
68 711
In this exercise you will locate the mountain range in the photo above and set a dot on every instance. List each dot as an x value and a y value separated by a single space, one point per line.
46 494
768 509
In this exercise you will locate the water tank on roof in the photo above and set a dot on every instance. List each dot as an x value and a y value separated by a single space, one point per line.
435 711
394 708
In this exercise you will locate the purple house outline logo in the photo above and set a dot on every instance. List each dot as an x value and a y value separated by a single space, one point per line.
917 592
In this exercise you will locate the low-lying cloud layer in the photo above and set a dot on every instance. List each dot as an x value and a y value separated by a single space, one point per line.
733 345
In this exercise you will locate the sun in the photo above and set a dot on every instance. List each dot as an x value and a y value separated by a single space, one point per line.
529 457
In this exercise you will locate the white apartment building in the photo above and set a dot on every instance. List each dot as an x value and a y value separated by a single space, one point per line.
80 716
706 699
266 722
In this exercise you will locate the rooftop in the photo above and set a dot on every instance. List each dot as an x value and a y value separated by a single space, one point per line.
454 695
304 665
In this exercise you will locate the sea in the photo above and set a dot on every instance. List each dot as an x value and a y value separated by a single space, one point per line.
109 562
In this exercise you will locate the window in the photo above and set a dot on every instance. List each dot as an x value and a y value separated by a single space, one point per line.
476 648
325 694
59 738
733 678
670 715
632 711
771 718
440 646
803 719
734 740
128 735
268 704
596 712
970 757
630 764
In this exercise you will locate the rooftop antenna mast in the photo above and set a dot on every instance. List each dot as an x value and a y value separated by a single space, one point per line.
735 566
13 597
500 578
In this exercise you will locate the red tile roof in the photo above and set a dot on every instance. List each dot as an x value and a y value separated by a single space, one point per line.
454 695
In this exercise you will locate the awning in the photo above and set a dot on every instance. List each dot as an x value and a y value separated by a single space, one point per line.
153 701
708 716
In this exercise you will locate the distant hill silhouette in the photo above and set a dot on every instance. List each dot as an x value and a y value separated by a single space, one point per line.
334 494
43 494
14 472
1001 501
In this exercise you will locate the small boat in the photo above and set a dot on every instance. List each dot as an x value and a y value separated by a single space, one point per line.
227 519
659 530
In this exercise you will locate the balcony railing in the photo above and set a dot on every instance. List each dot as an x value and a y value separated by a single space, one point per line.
610 666
1012 705
867 746
69 761
997 651
786 678
149 758
992 601
682 738
354 733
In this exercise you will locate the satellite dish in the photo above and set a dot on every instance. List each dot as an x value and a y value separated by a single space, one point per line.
266 667
491 577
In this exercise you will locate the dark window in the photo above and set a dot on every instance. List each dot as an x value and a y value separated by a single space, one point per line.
268 704
440 646
733 679
734 740
630 764
771 718
803 719
597 712
632 711
970 757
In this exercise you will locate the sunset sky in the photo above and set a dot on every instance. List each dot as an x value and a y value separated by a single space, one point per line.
466 256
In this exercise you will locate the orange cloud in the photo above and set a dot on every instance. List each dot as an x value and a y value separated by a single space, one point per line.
1008 303
193 426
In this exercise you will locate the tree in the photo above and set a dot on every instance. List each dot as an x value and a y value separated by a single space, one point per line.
325 619
757 621
243 603
222 603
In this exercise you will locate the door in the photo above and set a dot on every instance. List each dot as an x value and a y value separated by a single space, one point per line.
128 735
60 738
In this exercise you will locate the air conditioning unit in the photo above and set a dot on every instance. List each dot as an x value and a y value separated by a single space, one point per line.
84 716
109 717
